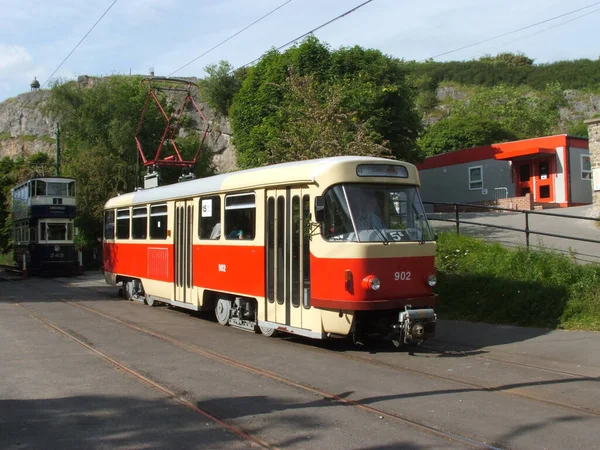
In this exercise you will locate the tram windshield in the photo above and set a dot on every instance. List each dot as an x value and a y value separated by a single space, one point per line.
56 231
375 213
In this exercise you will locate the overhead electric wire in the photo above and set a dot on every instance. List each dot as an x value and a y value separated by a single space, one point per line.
538 32
310 32
514 31
231 37
79 43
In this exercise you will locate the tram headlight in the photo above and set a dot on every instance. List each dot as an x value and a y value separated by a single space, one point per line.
371 282
432 280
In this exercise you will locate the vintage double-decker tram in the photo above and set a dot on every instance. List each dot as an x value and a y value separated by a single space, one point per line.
43 211
321 248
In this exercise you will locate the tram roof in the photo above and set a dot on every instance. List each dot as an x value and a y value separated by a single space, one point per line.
297 172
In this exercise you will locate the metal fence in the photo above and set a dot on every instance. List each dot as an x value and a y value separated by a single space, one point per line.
457 207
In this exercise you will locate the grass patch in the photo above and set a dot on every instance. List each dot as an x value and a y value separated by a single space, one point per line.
47 139
4 136
485 282
6 258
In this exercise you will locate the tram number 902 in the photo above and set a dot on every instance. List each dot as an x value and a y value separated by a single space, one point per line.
402 276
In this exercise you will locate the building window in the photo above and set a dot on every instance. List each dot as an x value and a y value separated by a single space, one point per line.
210 218
240 216
475 178
586 167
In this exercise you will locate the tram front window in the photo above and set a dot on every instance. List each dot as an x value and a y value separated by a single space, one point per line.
56 232
56 189
375 213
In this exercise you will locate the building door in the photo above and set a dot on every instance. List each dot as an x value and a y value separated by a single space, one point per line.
184 218
544 181
287 256
524 178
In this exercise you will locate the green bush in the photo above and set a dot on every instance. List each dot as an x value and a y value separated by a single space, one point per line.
484 282
514 70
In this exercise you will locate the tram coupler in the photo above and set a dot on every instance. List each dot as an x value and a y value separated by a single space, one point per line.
416 325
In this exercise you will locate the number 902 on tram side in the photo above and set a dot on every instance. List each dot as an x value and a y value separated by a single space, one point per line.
332 247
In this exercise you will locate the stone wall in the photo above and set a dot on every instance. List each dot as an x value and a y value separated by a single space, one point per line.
521 203
524 203
594 143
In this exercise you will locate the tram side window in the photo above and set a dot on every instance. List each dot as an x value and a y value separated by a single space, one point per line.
158 222
109 224
123 220
240 216
139 223
210 218
40 187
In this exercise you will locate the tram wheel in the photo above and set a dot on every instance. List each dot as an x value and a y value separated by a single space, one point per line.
128 290
223 311
268 332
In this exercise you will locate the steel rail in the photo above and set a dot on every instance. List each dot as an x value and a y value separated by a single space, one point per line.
302 386
222 423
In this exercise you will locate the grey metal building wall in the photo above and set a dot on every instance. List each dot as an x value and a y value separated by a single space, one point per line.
451 183
581 189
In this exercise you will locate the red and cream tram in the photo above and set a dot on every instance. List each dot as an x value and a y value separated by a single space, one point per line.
321 248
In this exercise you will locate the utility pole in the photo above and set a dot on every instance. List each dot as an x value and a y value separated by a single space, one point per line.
57 149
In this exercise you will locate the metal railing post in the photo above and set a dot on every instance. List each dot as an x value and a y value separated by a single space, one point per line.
457 219
527 228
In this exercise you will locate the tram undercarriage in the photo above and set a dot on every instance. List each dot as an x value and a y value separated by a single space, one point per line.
408 326
400 326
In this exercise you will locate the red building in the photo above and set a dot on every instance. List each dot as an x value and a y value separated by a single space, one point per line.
549 171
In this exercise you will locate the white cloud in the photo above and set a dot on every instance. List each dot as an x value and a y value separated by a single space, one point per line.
13 57
165 34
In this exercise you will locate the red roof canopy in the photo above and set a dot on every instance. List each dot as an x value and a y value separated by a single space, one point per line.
520 152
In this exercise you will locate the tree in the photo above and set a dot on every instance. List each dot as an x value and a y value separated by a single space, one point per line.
579 129
11 174
315 125
370 87
508 59
457 132
221 85
98 125
525 114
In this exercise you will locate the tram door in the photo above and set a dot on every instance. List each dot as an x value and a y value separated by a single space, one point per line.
183 238
286 255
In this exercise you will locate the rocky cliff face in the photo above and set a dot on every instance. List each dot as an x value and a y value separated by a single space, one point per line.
24 129
579 105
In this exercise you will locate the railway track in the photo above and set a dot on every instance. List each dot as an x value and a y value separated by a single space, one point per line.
504 390
333 397
380 413
240 432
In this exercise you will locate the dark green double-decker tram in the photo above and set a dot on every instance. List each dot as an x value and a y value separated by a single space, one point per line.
43 211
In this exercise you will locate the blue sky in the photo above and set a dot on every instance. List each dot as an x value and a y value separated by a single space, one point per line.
166 34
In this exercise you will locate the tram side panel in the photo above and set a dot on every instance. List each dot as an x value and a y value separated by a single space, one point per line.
131 254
